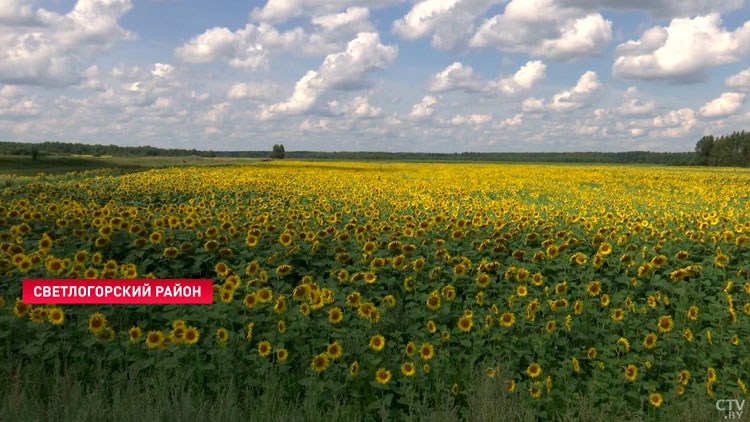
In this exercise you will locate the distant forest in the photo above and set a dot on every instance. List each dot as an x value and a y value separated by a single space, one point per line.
729 150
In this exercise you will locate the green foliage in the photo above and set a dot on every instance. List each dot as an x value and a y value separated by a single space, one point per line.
278 151
728 151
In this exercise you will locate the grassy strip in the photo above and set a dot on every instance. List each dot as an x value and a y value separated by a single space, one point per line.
31 392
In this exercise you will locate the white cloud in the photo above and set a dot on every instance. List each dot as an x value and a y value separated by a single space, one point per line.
580 95
283 10
470 119
523 80
344 70
253 90
253 46
682 51
423 109
448 22
676 123
532 105
740 81
726 104
543 28
455 76
633 106
39 47
361 108
660 8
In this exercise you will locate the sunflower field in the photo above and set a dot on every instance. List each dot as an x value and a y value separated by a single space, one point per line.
399 282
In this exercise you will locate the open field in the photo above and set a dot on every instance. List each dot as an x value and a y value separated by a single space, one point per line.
23 165
378 291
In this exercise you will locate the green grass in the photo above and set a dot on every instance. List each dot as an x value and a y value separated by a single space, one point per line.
33 391
56 164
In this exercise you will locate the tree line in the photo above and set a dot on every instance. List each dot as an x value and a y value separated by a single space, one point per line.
729 150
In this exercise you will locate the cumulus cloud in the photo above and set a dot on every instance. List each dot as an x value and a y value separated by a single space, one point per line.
282 10
423 109
523 80
725 105
543 28
456 76
252 90
660 8
633 106
740 81
578 96
345 70
470 119
253 46
361 108
448 22
40 47
682 51
675 123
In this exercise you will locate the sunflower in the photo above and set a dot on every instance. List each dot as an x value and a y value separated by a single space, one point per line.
454 389
283 269
483 280
191 335
692 313
655 399
465 324
97 322
410 348
507 319
171 252
522 291
222 334
550 326
534 370
617 314
353 299
57 316
535 390
407 368
281 355
250 300
431 327
335 315
334 350
426 351
578 307
433 301
319 362
354 368
684 377
154 339
711 375
688 334
631 372
382 376
264 348
665 324
264 295
377 342
594 288
650 341
135 334
591 353
576 364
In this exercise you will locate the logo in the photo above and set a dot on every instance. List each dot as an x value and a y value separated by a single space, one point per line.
731 409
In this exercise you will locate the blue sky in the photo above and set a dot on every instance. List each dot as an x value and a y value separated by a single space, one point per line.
386 75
